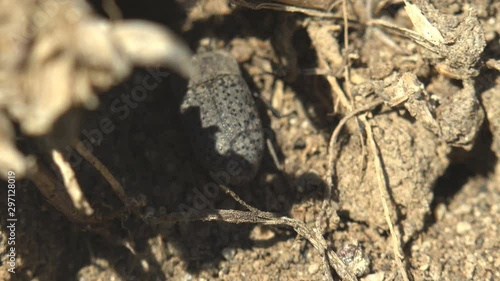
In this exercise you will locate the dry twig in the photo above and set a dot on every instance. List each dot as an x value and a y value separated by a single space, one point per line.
56 194
289 8
382 185
99 166
265 218
333 140
71 183
254 215
332 151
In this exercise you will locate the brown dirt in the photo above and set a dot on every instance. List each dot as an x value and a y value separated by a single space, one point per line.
438 144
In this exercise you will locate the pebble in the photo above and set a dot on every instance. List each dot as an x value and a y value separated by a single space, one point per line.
228 253
463 227
313 268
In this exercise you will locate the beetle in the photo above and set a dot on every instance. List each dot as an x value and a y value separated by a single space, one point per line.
221 119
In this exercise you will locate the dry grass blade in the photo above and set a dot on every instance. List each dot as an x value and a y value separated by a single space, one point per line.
331 153
422 24
331 160
382 186
71 184
99 166
292 6
57 196
254 215
265 218
336 132
313 236
406 33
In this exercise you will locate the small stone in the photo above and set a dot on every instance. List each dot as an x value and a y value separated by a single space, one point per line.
313 268
379 276
261 233
440 211
228 253
463 227
353 256
145 265
257 265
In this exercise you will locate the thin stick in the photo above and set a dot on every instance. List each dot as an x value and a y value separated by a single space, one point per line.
347 77
273 154
101 168
378 164
348 102
351 114
55 193
265 218
332 152
406 33
326 267
346 49
336 132
338 91
382 185
313 236
71 184
287 8
238 199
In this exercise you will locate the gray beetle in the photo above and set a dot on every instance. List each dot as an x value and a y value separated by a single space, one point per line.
221 119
